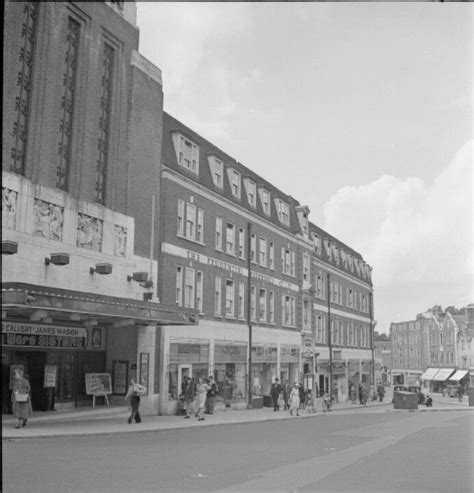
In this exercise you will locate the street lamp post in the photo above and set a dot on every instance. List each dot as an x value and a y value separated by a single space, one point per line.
329 336
249 321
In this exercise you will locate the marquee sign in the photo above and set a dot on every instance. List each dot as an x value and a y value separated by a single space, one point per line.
44 336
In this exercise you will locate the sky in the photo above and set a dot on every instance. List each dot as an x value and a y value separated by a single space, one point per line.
361 111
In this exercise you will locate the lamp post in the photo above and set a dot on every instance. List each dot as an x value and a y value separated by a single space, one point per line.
249 321
329 336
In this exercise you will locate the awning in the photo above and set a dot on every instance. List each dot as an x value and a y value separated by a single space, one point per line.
459 375
443 374
429 374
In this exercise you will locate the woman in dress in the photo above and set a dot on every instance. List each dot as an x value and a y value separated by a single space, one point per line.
201 389
294 399
21 408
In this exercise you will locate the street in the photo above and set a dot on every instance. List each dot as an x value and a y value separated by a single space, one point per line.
375 451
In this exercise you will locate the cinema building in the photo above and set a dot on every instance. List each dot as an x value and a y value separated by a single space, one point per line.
78 279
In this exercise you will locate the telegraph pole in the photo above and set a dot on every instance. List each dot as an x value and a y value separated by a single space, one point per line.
249 301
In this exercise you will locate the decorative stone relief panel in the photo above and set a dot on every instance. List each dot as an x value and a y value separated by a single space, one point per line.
120 240
89 232
48 220
9 207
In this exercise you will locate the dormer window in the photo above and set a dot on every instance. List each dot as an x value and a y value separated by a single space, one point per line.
187 152
265 199
251 189
217 171
235 182
316 243
283 210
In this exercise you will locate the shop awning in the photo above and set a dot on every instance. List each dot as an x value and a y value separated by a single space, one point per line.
442 374
429 373
459 375
21 300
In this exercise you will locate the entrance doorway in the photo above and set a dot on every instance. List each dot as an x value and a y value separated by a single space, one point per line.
183 371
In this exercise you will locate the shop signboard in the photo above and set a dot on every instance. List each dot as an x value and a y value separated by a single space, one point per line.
230 354
31 335
98 383
188 353
264 354
50 376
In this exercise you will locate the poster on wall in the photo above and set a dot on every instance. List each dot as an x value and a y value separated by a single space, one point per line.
13 369
98 383
50 376
144 360
120 377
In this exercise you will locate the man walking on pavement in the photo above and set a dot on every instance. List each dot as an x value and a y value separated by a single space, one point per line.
211 395
275 392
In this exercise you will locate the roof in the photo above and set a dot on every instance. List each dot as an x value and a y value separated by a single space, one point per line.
204 178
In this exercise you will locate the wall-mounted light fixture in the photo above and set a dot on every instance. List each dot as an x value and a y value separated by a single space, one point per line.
138 277
9 247
103 269
57 259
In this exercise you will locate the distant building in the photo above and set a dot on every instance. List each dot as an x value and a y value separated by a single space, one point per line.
431 348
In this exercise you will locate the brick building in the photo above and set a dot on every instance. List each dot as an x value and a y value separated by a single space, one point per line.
220 221
75 129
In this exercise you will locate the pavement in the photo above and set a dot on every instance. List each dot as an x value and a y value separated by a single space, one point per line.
113 419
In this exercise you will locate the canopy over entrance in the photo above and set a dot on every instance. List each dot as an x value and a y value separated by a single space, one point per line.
31 302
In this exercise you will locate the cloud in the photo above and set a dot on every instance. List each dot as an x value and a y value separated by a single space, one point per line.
418 237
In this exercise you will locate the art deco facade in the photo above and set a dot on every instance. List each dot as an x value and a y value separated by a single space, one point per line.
71 70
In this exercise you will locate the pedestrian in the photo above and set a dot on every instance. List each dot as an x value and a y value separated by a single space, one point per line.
361 388
380 392
353 393
286 394
189 393
365 395
302 395
295 399
309 404
428 401
21 398
211 395
201 389
335 393
275 392
135 390
460 391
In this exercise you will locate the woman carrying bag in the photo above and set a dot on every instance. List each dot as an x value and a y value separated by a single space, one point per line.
135 390
21 398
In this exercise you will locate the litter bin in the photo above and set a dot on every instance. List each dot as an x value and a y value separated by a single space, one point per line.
267 401
470 395
257 402
405 400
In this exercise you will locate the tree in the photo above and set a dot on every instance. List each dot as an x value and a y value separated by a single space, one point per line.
381 336
455 311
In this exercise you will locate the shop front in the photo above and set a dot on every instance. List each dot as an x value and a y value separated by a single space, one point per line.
230 371
264 368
